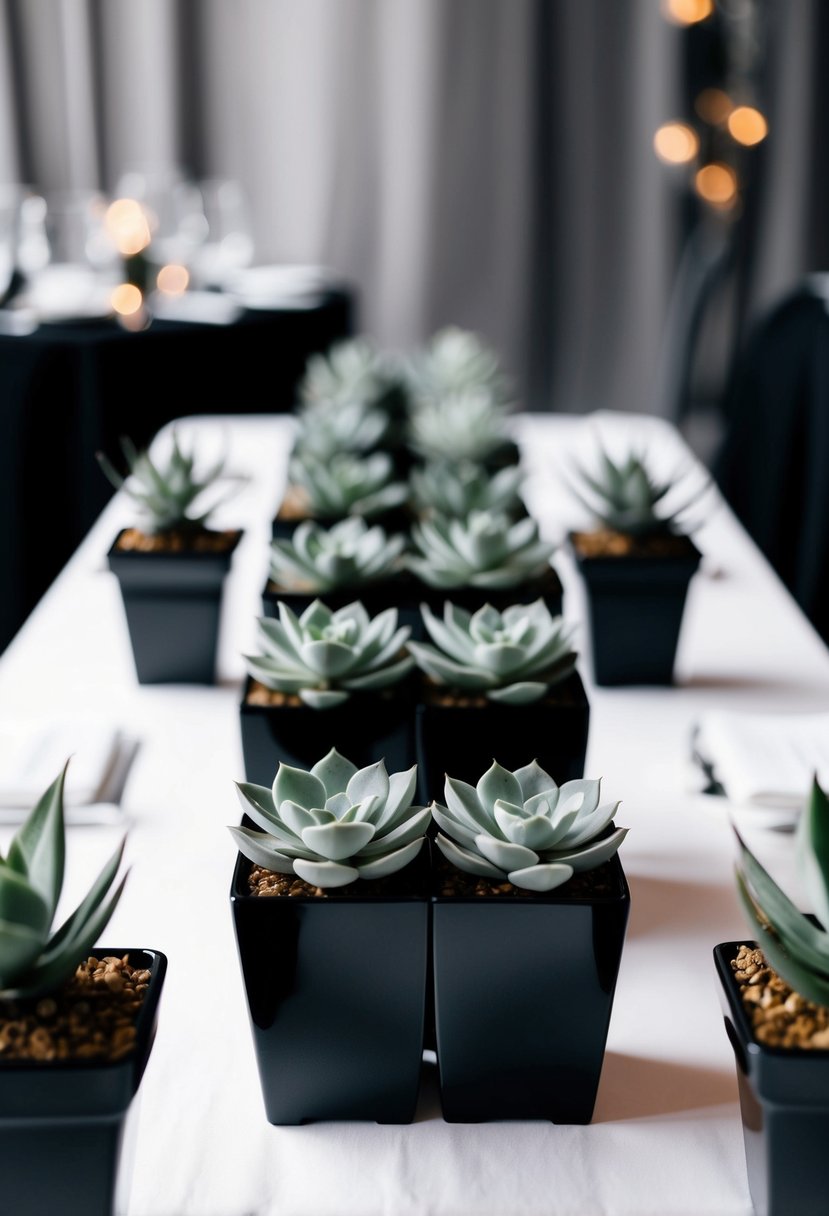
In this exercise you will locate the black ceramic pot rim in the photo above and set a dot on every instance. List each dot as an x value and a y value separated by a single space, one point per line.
554 897
692 555
239 893
723 953
182 555
395 693
151 960
545 581
400 579
549 701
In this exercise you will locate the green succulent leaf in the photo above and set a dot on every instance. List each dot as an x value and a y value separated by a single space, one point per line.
38 849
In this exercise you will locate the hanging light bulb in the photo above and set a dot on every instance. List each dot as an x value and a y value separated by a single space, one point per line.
717 184
713 106
687 12
747 126
676 143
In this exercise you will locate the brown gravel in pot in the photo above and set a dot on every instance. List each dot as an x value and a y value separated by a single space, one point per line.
780 1017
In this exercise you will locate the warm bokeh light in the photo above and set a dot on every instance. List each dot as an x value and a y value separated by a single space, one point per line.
676 143
747 125
128 226
717 184
172 280
687 12
714 106
126 299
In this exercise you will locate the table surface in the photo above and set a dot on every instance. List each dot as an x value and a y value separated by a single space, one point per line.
666 1136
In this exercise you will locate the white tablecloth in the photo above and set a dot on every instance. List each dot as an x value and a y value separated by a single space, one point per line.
666 1136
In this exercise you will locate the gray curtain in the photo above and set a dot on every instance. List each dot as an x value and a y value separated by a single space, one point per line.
482 162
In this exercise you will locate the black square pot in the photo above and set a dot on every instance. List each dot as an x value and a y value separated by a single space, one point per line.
173 604
395 520
65 1134
547 587
524 988
784 1103
635 608
336 992
368 727
464 740
400 592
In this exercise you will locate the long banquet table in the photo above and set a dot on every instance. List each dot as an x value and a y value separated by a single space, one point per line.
666 1136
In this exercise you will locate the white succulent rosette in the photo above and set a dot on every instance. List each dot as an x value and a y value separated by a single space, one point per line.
324 656
334 824
347 484
455 493
350 372
453 361
513 657
467 424
487 550
349 554
324 430
523 828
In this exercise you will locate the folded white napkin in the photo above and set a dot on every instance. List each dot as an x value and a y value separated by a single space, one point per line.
32 755
766 760
288 286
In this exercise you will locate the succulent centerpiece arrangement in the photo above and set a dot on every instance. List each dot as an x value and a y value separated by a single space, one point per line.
636 566
530 885
485 556
436 491
345 484
331 885
172 567
775 999
75 1029
501 682
336 675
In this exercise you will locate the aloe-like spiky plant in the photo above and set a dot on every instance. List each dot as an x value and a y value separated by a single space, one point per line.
513 657
486 550
467 424
626 496
352 371
793 945
334 824
324 656
33 959
348 485
465 487
453 361
165 492
349 554
524 828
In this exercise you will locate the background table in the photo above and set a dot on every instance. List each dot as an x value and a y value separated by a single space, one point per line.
70 390
666 1137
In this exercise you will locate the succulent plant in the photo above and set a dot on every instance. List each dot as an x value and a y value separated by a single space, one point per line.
33 959
324 656
323 430
164 493
348 485
793 945
625 496
334 824
465 487
453 361
349 554
486 550
353 372
513 656
523 827
466 424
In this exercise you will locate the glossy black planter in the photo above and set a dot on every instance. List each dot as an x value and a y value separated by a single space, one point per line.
65 1128
524 988
464 740
336 994
547 588
368 727
173 604
635 606
784 1102
401 593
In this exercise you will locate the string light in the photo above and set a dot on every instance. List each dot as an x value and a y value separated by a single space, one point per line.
717 184
747 125
172 280
714 106
676 143
687 12
128 226
126 299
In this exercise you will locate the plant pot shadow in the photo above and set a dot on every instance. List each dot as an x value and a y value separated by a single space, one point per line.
659 905
634 1087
